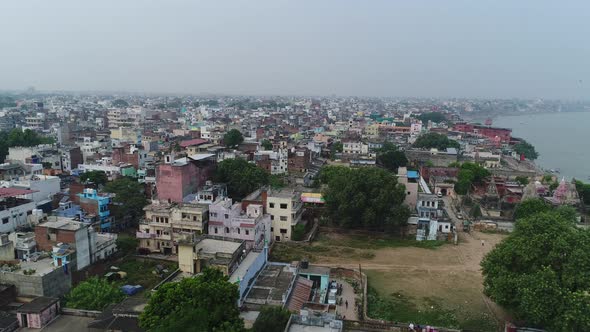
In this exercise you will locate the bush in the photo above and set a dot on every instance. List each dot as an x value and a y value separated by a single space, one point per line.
298 232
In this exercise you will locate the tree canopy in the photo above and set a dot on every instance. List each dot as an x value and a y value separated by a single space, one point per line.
368 198
241 177
233 138
96 177
469 173
435 117
119 103
336 147
527 149
17 137
540 272
390 157
94 294
266 145
583 191
129 199
523 180
435 140
207 302
271 319
530 207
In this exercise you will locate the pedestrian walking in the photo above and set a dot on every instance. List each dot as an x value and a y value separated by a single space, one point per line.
346 303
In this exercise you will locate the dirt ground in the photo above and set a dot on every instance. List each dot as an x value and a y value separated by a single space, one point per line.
449 275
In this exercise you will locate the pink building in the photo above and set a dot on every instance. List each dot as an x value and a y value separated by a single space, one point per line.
230 221
38 313
176 179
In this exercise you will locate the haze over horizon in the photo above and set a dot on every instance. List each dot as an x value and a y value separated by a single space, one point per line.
500 49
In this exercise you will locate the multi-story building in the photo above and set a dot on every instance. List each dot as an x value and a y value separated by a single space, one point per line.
85 246
176 179
299 160
44 187
165 223
96 206
15 211
275 162
231 221
432 220
285 209
354 147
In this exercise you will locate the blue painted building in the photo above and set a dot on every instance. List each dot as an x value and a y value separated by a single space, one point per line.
97 205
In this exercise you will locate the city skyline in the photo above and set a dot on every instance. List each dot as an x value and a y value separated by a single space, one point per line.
342 48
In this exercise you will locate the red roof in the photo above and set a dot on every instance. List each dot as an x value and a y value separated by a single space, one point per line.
300 294
11 192
246 225
190 142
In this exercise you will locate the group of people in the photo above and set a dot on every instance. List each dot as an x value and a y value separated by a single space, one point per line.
418 328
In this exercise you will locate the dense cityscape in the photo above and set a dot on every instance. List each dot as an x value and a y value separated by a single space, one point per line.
231 213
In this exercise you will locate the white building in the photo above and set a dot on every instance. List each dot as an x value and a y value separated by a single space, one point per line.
45 186
285 209
15 211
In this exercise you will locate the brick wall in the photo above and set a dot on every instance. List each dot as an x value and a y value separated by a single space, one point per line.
44 243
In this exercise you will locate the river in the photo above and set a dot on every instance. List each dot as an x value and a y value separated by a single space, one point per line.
561 139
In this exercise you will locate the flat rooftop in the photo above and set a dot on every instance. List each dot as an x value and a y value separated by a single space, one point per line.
214 246
271 284
240 272
317 270
41 267
63 224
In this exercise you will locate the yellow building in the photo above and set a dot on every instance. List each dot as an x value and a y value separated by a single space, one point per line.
196 254
285 209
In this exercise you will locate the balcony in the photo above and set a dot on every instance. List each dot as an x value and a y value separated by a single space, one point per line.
142 235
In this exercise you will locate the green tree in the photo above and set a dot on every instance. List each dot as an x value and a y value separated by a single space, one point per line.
540 273
271 319
119 103
390 157
583 191
96 177
476 211
298 232
527 149
94 294
127 244
435 117
336 147
529 207
368 198
469 173
233 138
241 177
435 140
17 137
129 199
523 180
266 145
276 181
210 297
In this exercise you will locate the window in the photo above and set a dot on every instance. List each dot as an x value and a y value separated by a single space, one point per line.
271 205
226 216
215 230
272 217
284 218
4 221
238 230
283 231
283 205
247 232
272 229
194 218
409 193
278 238
227 230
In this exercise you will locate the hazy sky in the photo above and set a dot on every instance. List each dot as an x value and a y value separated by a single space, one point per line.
474 48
